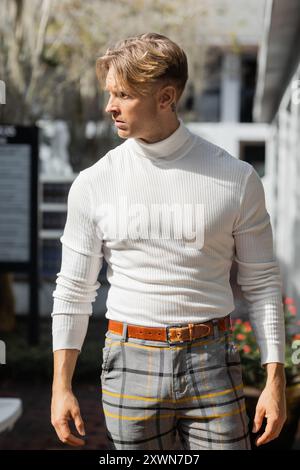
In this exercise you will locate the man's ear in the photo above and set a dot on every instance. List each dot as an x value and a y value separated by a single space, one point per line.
167 95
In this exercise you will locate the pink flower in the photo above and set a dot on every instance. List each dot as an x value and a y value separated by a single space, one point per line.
288 301
248 327
246 349
296 336
292 310
238 321
240 337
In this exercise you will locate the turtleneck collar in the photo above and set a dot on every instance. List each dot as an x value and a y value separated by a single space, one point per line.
165 150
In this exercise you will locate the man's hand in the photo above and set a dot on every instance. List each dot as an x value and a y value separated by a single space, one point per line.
271 405
64 406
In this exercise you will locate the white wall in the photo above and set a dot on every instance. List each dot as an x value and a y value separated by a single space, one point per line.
229 135
285 170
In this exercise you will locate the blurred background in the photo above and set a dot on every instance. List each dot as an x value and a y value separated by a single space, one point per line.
243 94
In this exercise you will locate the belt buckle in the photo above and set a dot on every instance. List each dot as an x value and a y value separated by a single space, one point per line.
168 333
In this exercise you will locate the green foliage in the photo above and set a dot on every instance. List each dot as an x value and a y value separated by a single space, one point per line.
253 373
35 363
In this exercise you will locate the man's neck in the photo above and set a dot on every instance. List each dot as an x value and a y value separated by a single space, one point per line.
163 132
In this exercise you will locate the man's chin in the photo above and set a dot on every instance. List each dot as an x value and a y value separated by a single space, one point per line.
122 133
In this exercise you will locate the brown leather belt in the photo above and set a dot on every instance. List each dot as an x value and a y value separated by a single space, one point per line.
172 333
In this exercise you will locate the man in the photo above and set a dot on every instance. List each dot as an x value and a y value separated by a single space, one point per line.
169 211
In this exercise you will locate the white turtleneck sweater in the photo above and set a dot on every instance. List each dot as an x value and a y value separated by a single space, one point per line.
159 277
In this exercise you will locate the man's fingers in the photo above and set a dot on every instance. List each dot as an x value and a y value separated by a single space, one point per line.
72 440
65 435
271 432
259 416
75 441
79 423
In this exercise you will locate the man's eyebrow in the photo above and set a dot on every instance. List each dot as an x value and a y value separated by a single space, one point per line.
116 89
107 88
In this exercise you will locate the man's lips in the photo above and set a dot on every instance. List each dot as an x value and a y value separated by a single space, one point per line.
119 123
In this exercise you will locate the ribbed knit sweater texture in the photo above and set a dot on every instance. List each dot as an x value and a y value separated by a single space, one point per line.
169 218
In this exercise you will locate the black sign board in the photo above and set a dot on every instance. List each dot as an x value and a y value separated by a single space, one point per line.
19 221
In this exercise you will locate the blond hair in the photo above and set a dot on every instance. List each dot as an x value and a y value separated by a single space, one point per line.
141 61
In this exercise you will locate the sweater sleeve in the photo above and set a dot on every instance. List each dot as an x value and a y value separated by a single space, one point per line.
82 259
258 271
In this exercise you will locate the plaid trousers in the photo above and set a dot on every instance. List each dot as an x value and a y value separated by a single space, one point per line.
153 392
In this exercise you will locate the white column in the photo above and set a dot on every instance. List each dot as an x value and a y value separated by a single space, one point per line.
283 155
271 157
230 87
295 199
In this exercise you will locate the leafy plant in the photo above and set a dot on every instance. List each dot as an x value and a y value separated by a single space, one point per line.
253 372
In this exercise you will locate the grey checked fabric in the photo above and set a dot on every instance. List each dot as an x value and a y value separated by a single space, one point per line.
153 390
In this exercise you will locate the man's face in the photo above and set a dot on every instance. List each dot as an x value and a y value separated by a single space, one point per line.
137 114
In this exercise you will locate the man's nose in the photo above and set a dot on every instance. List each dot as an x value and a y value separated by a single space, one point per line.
112 105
